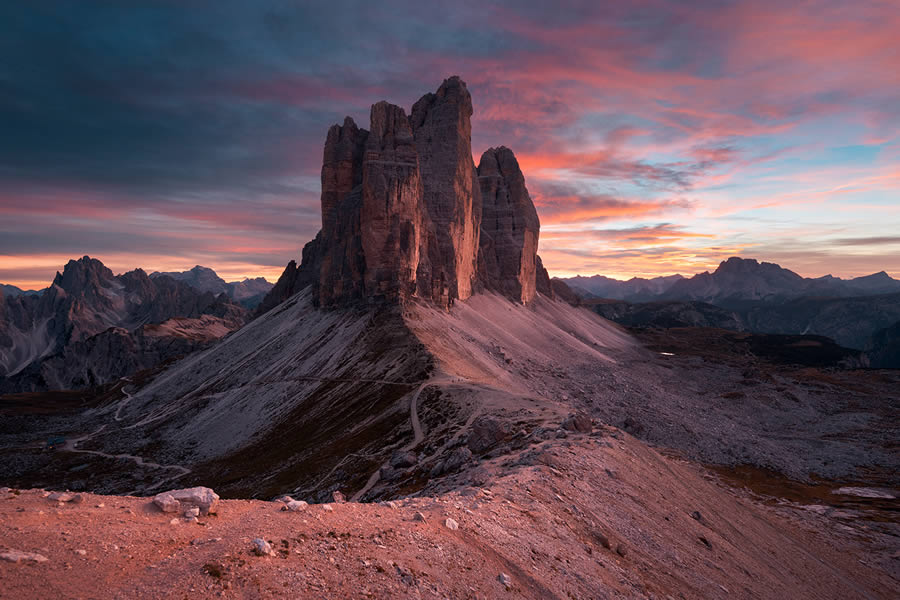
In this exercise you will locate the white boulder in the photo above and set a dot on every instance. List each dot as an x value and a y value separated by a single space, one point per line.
182 500
262 548
294 505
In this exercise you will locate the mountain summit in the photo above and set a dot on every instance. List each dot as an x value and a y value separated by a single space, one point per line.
248 292
739 278
200 278
421 289
91 327
406 213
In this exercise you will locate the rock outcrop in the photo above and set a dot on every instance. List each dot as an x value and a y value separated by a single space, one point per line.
507 260
341 165
542 280
390 211
403 213
286 286
199 278
451 195
563 292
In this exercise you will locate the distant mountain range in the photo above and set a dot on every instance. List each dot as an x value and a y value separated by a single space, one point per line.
636 289
738 280
748 295
248 292
735 282
11 290
91 326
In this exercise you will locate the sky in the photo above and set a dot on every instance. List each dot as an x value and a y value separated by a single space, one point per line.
656 137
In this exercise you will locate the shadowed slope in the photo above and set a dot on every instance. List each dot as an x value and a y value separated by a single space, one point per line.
298 399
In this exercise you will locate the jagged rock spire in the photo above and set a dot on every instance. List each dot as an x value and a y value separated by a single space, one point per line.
391 211
509 227
403 213
451 196
341 165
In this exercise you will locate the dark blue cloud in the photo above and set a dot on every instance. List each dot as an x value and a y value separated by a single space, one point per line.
212 114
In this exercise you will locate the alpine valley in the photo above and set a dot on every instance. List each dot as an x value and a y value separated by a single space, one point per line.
416 409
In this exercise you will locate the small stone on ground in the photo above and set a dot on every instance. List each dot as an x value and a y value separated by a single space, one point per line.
16 556
262 548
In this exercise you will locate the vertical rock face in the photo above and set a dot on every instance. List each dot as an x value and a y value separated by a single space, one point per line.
509 227
442 126
542 280
403 215
284 288
391 205
335 262
339 259
341 165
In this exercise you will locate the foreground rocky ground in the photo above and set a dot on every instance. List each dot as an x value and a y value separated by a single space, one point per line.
465 415
590 515
542 504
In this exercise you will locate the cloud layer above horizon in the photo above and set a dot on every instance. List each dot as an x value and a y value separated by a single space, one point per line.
656 137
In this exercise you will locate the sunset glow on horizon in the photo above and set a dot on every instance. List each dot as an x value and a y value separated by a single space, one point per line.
655 137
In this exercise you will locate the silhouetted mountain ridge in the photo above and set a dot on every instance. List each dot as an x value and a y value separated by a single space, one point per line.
736 281
634 289
761 297
11 290
249 292
49 341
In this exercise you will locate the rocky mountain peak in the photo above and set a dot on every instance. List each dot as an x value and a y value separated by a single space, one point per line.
750 266
199 277
451 195
387 122
402 212
509 227
453 100
749 269
498 162
341 165
737 264
880 276
83 276
56 340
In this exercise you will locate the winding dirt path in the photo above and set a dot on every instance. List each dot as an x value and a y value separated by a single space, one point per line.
418 433
123 402
71 445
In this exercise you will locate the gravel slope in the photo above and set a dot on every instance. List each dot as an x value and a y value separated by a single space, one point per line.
596 515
